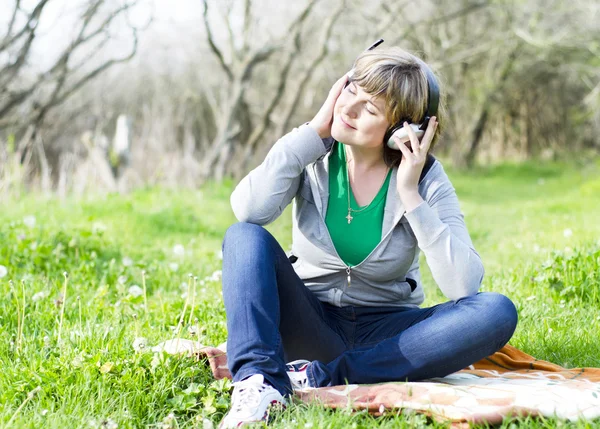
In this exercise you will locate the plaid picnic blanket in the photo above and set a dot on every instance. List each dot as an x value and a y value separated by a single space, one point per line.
505 384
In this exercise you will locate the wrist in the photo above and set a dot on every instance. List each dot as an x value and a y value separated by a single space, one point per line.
322 133
410 198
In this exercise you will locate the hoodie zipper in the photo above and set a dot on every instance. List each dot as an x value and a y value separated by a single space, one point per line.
348 267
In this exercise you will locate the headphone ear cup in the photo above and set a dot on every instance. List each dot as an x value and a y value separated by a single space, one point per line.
402 134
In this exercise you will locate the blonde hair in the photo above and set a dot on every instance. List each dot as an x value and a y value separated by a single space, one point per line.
400 79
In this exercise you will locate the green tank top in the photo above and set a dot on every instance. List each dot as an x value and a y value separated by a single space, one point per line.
354 241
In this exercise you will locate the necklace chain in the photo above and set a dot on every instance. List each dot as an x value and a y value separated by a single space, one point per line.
349 217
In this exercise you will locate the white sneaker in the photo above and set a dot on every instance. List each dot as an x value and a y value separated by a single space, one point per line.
296 371
250 402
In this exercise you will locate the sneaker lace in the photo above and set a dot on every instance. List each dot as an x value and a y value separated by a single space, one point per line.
300 382
246 394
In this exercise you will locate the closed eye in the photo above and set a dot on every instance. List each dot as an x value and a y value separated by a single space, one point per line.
354 93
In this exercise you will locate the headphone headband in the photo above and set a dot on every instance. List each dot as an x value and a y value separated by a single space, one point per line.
433 91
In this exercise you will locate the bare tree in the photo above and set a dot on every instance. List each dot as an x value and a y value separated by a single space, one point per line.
239 75
26 97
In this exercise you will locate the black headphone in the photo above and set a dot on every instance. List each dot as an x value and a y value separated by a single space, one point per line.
433 100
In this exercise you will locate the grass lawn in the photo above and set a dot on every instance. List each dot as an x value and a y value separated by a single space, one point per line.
536 226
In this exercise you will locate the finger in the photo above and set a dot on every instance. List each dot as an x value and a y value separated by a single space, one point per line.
414 140
336 90
403 148
429 133
339 84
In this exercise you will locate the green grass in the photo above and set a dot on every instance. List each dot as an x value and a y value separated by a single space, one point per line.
536 226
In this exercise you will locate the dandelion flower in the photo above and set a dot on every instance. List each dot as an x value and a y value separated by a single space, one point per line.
29 221
179 250
98 227
567 232
173 266
39 296
140 344
3 271
109 424
127 262
135 291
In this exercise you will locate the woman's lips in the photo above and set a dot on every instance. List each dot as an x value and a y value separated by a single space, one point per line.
346 123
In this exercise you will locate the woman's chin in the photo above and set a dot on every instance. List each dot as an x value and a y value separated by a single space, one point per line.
338 134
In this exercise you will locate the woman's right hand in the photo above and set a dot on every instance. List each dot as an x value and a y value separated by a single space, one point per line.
324 117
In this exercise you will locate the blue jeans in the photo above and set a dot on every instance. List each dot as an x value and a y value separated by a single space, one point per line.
273 318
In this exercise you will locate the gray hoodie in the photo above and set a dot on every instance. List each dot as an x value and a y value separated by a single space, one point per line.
297 168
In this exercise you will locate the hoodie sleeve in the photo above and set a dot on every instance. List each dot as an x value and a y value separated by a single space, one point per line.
266 191
442 235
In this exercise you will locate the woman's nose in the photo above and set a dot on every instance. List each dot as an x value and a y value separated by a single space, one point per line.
349 111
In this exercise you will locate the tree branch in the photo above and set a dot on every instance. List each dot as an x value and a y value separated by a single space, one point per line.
30 25
226 68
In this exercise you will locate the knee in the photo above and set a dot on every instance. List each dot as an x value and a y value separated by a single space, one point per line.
500 311
243 234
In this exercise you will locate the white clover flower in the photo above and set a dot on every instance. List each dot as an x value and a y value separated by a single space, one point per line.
567 232
29 221
173 266
179 250
140 344
168 422
44 412
135 291
127 262
33 245
121 280
40 295
207 424
3 271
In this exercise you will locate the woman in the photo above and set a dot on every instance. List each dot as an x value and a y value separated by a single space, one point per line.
344 306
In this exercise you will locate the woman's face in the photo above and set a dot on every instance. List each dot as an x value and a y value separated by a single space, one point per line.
359 118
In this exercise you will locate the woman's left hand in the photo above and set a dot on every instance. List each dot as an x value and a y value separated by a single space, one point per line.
412 164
